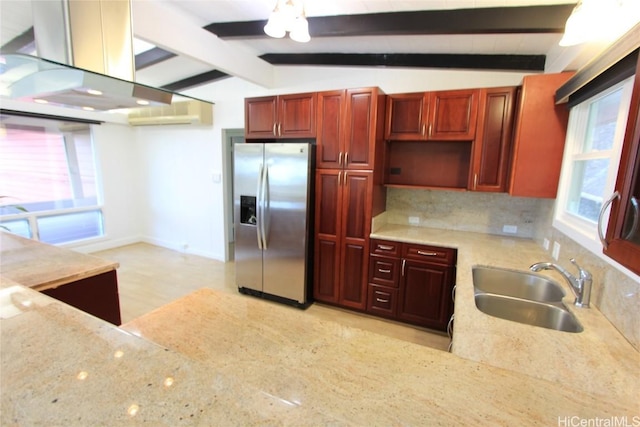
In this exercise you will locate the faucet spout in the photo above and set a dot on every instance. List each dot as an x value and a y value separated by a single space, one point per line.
580 286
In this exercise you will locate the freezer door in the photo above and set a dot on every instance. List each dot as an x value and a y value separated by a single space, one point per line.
248 162
286 219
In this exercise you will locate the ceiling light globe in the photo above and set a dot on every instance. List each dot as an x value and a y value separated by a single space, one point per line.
300 32
275 26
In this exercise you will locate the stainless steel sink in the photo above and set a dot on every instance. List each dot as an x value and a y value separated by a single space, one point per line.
524 297
548 316
519 284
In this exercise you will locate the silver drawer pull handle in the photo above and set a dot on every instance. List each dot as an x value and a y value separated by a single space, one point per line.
384 271
427 253
385 248
382 300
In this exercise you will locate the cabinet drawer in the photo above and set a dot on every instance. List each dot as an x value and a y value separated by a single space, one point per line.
429 253
385 247
384 271
382 300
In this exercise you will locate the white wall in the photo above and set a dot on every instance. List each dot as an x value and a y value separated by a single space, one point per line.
118 159
158 179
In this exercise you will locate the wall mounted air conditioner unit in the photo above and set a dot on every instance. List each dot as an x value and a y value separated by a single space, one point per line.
179 113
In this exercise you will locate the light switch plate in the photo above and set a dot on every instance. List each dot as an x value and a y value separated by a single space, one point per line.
511 229
556 251
545 244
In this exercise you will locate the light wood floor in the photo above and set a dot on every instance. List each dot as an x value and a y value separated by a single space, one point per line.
150 276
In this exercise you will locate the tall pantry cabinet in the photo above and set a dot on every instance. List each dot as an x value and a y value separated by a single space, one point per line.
349 192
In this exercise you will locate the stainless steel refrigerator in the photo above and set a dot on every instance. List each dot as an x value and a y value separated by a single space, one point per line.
273 220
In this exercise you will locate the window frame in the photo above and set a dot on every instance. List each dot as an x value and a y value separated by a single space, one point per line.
71 157
578 228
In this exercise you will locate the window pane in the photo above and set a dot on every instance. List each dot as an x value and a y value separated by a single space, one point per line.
47 167
601 128
18 226
69 227
587 188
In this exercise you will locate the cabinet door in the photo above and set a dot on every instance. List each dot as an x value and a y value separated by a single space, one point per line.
538 139
406 116
360 128
297 116
329 154
357 191
453 115
425 294
96 295
328 206
623 231
492 145
260 117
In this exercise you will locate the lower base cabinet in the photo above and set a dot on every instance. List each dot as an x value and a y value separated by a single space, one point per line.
411 283
96 295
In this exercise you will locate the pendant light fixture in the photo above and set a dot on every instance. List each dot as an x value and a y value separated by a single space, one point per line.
600 20
288 17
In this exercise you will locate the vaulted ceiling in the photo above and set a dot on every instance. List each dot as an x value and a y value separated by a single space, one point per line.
181 44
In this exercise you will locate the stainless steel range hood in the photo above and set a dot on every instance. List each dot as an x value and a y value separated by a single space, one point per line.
27 78
85 59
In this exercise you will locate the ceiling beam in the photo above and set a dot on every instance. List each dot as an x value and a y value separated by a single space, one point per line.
197 80
151 21
151 57
491 20
453 61
20 42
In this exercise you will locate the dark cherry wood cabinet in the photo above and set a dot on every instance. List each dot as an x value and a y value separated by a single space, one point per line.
492 146
281 117
539 136
411 283
349 192
96 295
343 225
622 242
347 128
437 116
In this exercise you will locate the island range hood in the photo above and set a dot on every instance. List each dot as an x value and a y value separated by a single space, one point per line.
85 59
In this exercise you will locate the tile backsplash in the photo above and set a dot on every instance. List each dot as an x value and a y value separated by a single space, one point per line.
614 293
465 211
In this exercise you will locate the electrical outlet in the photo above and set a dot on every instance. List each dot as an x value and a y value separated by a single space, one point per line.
556 251
414 220
545 244
511 229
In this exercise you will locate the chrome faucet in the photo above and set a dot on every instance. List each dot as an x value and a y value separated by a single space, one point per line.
580 286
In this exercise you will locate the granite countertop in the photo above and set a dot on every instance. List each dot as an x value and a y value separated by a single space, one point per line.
216 358
239 360
599 360
41 266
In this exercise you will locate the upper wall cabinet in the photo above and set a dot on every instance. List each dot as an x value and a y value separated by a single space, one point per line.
349 122
492 145
280 117
540 132
438 116
623 232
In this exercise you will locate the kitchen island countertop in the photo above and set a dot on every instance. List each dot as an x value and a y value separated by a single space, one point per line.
246 361
41 266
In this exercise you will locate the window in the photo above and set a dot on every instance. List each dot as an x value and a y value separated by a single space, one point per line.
48 168
592 153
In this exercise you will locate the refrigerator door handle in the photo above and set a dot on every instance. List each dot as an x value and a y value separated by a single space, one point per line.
258 208
264 203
